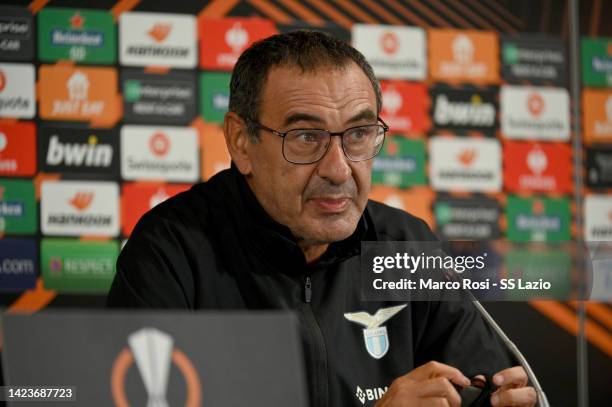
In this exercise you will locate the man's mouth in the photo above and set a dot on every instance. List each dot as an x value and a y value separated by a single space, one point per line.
331 205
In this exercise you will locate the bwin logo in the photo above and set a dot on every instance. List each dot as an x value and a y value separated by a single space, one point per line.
90 154
373 394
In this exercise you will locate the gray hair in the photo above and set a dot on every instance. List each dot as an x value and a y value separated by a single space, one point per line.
309 50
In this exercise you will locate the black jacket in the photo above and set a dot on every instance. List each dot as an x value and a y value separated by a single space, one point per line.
214 247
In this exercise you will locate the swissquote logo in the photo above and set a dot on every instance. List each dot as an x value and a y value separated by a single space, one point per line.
157 39
465 164
154 352
159 153
374 335
535 112
17 91
79 208
394 52
598 218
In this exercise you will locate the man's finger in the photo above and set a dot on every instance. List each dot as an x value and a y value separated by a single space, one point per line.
439 387
431 370
511 377
522 397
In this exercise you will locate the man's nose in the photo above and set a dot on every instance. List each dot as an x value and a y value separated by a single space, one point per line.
334 164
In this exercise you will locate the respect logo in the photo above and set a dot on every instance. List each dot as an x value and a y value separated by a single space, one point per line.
79 94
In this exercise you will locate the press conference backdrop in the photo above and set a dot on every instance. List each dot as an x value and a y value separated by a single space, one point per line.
109 108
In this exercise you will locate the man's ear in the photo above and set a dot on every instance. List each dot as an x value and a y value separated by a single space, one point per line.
238 141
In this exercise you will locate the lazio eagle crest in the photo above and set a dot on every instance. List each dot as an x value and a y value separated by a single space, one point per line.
375 335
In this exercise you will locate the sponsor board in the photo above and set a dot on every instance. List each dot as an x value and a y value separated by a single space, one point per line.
159 153
73 266
17 149
73 208
222 40
17 207
157 39
71 150
596 56
416 200
463 56
79 93
17 91
462 110
405 106
529 112
554 266
83 36
18 264
401 163
214 95
467 218
599 167
139 198
150 98
598 218
16 34
538 219
534 58
465 164
394 52
597 115
537 167
215 156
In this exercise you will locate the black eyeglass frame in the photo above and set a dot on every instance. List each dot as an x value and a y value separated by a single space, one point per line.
283 134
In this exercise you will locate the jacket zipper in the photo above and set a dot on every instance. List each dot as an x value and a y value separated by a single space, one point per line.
319 398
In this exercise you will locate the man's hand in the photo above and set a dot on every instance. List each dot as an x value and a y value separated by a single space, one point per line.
427 385
513 390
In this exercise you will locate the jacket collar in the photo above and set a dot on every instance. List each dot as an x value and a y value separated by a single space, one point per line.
275 243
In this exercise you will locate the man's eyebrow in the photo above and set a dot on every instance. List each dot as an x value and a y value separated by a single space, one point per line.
301 117
366 114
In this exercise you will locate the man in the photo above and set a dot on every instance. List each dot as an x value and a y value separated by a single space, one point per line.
282 229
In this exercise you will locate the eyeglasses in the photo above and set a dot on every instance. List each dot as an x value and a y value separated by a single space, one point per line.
307 146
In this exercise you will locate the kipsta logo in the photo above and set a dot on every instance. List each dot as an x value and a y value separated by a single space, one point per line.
537 160
154 353
236 38
463 49
467 156
2 80
389 42
535 104
77 21
159 144
81 200
392 100
160 31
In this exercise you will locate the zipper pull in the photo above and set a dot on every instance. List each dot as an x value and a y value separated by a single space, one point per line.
308 289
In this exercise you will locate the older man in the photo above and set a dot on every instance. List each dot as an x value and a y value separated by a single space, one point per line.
282 229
